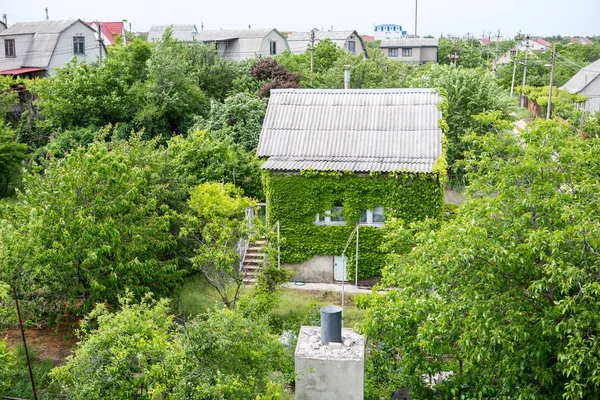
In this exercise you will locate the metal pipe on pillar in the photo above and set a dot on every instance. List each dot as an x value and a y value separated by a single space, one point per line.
346 77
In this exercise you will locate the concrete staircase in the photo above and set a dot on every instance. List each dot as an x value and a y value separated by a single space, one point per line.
254 260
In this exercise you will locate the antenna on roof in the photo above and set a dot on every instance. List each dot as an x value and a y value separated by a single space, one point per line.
4 19
201 26
47 17
249 26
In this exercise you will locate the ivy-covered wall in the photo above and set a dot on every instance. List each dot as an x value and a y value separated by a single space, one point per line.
295 199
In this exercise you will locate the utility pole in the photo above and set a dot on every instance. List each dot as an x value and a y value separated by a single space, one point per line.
416 8
512 84
47 16
524 72
548 112
497 42
100 44
312 55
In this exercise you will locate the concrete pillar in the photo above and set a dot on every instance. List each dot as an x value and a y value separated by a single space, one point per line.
334 371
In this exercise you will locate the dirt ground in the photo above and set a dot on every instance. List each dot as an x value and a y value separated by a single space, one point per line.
53 343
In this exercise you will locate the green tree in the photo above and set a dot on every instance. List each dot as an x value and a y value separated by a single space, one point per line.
203 157
470 92
93 224
240 117
506 294
215 227
238 357
129 354
12 154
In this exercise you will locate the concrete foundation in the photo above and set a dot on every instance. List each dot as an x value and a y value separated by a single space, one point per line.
334 371
318 269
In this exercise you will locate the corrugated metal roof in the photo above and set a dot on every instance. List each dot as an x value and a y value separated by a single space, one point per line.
18 71
182 32
46 26
409 42
356 129
584 77
40 50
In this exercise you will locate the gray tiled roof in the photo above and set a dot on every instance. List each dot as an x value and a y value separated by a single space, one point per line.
230 34
38 27
409 42
584 77
299 42
356 129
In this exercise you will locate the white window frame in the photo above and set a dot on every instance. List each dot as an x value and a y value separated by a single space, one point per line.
10 48
327 218
273 47
407 52
393 52
369 221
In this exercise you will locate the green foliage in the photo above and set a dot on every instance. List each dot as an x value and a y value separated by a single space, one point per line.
214 228
15 374
240 117
204 157
266 293
471 53
91 225
295 200
11 155
506 294
130 354
139 352
7 365
229 357
469 92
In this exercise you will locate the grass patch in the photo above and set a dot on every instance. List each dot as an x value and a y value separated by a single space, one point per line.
295 307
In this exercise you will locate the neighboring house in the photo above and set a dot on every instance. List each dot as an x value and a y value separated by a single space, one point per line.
368 38
111 31
510 55
484 41
534 44
389 31
338 159
412 50
587 83
349 41
581 40
242 44
183 33
35 49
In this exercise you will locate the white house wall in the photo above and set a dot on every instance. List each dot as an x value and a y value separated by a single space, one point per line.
592 90
22 44
64 47
265 49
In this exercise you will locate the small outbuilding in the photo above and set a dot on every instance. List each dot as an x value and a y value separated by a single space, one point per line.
344 161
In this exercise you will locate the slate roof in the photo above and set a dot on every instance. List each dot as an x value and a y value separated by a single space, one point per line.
182 32
359 130
45 37
584 77
232 34
409 42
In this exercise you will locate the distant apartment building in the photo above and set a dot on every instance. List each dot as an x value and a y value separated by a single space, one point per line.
411 50
389 31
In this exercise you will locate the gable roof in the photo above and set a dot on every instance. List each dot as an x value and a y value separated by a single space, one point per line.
358 130
182 32
542 41
582 40
584 77
110 29
45 37
300 41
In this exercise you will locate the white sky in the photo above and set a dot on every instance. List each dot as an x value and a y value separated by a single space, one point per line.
537 17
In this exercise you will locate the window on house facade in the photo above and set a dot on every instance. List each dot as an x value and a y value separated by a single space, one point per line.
392 52
78 45
9 48
273 47
335 216
372 217
352 46
406 52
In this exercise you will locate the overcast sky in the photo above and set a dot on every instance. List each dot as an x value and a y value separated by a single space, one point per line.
542 18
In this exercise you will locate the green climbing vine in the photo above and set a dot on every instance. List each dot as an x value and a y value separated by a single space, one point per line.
295 200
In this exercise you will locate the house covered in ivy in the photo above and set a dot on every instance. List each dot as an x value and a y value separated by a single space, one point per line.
338 159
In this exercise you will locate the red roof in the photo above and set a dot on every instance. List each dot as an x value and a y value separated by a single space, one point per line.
368 38
484 41
110 29
542 41
19 71
581 40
